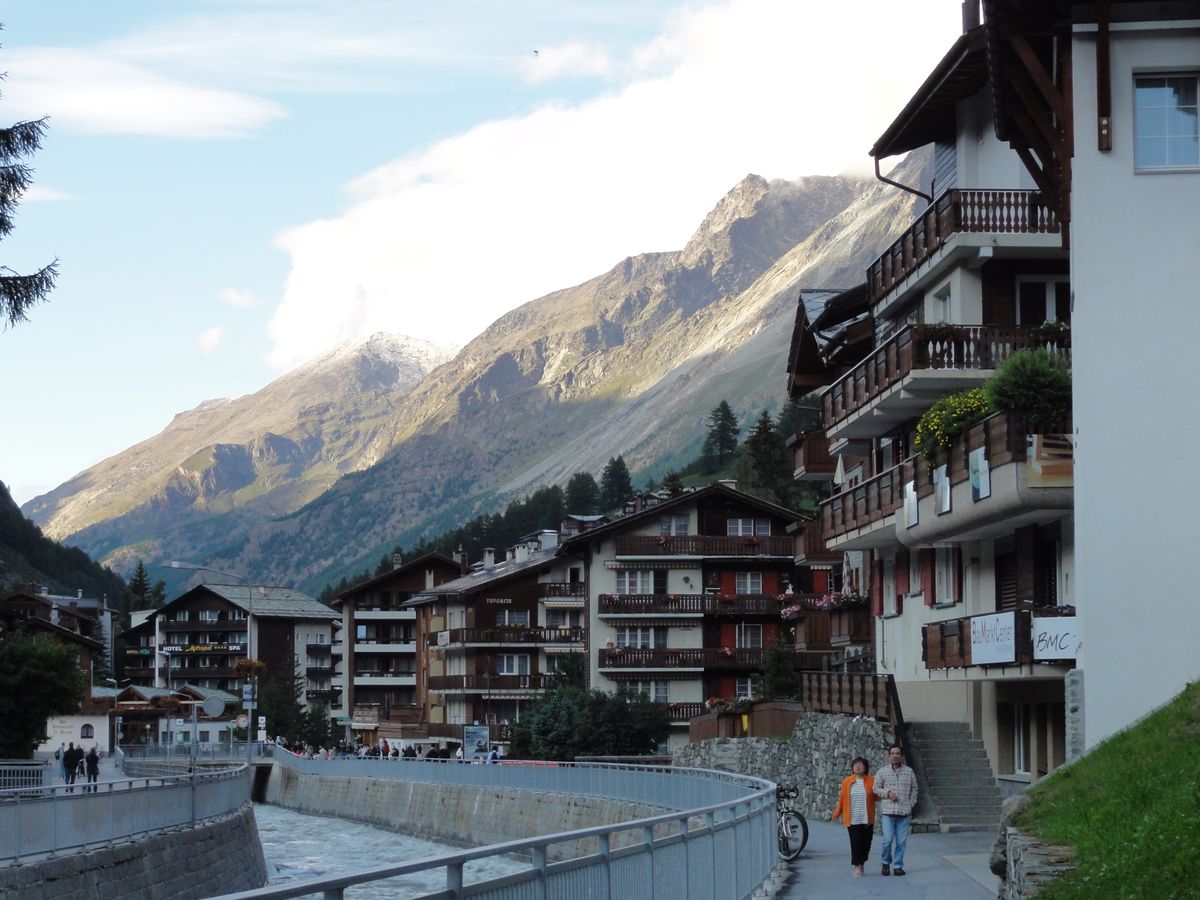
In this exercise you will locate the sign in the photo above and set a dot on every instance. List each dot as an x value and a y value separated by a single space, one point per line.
247 694
476 741
118 720
262 721
213 648
1055 637
179 721
911 504
262 734
994 639
499 600
242 721
443 639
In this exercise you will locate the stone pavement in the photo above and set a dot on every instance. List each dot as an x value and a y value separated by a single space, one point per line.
937 866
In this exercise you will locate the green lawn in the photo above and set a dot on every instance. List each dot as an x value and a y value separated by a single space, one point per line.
1131 808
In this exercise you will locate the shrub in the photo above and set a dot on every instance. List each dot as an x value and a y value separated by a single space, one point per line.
1036 383
947 417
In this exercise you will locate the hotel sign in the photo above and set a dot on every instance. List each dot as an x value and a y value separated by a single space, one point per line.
204 648
1055 637
994 639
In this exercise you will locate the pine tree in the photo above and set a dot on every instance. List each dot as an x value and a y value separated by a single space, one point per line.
138 592
764 464
583 495
673 484
722 438
780 681
19 292
615 484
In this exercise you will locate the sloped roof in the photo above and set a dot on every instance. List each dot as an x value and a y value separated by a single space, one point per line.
414 563
930 115
265 602
503 571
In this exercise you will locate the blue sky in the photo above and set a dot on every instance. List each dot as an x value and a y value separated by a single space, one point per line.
233 187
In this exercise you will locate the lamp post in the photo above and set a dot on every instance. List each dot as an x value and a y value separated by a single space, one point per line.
252 703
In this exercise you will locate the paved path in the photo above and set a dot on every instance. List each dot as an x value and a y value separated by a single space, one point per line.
937 866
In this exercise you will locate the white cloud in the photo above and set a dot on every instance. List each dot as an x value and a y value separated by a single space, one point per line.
570 60
92 93
210 339
238 298
439 243
38 193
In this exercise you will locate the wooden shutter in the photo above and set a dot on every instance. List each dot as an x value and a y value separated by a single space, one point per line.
927 563
956 574
1006 581
877 587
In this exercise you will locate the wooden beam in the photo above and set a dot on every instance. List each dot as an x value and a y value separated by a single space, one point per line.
1044 182
1037 115
1103 80
1034 141
1038 73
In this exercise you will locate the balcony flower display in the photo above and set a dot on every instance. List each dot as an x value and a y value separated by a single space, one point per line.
949 416
834 601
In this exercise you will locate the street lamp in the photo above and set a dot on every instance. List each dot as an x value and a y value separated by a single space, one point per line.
252 703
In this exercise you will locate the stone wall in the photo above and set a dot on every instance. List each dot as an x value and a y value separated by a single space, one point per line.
816 758
217 856
1031 864
459 815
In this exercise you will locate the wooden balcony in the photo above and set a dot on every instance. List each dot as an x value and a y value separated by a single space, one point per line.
696 604
484 684
812 631
505 636
322 695
955 211
927 361
810 546
318 649
745 659
563 589
684 712
850 626
867 504
702 545
810 458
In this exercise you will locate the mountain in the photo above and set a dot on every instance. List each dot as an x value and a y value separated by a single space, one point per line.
231 464
629 362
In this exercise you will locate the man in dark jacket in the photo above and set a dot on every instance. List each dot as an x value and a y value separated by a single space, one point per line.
71 760
92 765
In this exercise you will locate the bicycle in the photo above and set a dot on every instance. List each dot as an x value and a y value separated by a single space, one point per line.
793 827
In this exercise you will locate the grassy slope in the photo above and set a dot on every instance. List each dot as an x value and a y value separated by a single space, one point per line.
1131 808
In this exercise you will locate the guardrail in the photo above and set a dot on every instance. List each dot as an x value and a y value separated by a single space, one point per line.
717 840
22 773
47 821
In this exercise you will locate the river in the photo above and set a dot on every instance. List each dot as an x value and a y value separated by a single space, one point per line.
299 846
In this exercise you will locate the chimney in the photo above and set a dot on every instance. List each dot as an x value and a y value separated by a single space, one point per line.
512 553
548 539
970 14
460 557
489 557
79 593
730 483
397 560
429 579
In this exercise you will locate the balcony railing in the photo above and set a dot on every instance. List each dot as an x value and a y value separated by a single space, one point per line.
696 604
485 683
987 212
702 545
927 347
386 673
810 545
319 671
739 658
503 636
949 644
811 459
683 712
318 649
323 694
563 589
866 503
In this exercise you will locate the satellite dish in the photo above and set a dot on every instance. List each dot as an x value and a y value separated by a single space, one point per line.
213 707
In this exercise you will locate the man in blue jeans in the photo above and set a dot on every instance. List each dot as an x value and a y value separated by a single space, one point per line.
896 787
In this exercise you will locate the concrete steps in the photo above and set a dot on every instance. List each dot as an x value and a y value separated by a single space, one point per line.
961 783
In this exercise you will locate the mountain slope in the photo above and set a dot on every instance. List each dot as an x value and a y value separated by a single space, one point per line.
628 362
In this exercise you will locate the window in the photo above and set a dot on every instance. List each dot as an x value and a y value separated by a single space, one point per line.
318 639
673 524
1043 300
748 527
514 617
635 581
564 618
1165 133
889 587
947 587
176 662
748 582
181 615
652 690
748 687
641 637
207 615
512 664
749 636
87 731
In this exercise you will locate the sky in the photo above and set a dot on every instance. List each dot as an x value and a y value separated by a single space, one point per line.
231 188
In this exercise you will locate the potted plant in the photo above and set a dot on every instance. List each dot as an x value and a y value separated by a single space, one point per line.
948 417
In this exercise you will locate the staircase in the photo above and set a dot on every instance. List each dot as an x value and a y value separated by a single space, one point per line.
962 787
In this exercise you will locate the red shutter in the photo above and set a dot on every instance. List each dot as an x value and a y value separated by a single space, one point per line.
770 582
902 585
728 583
877 588
927 562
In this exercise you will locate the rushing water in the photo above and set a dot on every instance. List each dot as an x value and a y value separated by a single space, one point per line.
299 846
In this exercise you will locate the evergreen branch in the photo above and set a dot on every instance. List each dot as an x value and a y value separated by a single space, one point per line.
21 139
19 292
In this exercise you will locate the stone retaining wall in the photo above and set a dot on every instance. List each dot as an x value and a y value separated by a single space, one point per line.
217 856
816 758
459 815
1031 864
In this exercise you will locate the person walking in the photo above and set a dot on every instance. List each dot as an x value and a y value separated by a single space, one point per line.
896 787
856 809
61 755
71 766
92 766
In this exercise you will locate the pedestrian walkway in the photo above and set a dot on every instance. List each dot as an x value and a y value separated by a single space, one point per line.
938 867
109 771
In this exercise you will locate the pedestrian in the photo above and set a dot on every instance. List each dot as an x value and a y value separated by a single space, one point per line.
71 766
493 755
856 809
896 786
92 766
61 755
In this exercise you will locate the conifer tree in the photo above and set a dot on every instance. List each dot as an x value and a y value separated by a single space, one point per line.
615 484
722 438
673 484
764 465
19 292
583 495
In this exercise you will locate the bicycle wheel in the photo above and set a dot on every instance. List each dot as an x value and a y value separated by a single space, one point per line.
793 835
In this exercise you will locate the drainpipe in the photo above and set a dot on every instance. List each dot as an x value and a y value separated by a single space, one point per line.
903 187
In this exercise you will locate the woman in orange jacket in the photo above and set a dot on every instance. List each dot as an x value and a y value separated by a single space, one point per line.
856 808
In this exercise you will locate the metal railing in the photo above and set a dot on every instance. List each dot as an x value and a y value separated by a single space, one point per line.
717 840
22 773
47 821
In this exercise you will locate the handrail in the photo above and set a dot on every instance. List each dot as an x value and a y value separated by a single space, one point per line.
738 830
